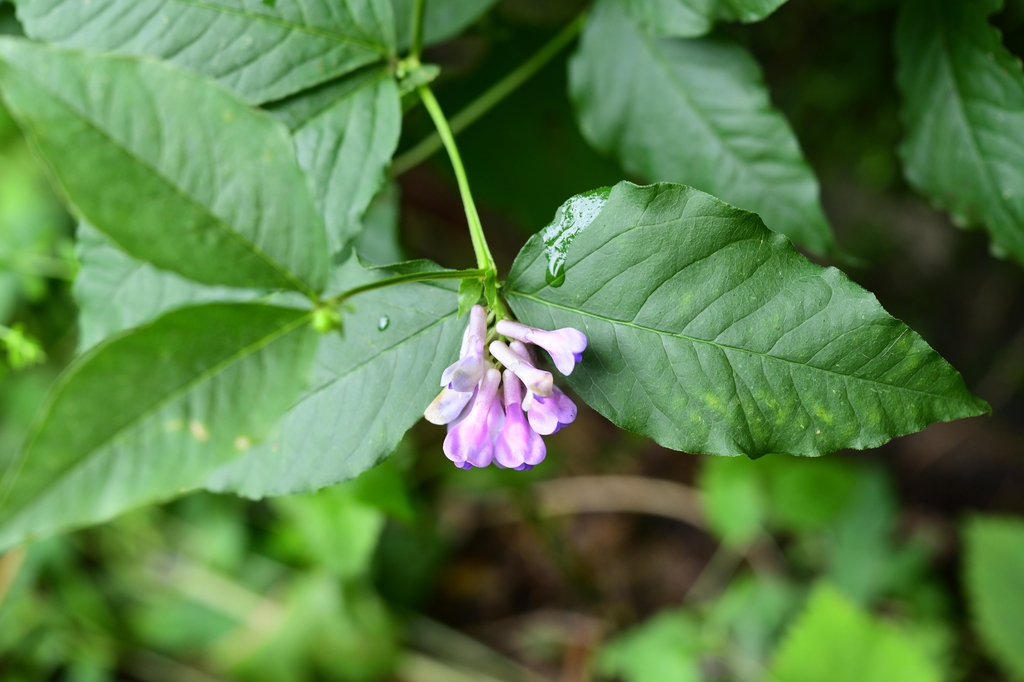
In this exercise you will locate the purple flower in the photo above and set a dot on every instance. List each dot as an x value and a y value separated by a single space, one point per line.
469 369
469 440
548 415
565 345
518 446
526 353
538 381
447 406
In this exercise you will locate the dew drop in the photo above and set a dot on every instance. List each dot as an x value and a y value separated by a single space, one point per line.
572 217
555 277
383 322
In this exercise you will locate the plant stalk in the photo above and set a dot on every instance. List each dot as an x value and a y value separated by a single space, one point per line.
491 97
484 260
416 42
403 279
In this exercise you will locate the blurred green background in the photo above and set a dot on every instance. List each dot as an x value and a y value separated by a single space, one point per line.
615 558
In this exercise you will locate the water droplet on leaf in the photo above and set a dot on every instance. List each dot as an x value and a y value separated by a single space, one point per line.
571 218
383 322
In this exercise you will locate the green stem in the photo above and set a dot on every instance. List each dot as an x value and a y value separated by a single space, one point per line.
485 102
484 260
416 43
403 279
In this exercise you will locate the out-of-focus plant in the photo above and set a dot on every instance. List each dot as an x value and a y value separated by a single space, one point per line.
247 326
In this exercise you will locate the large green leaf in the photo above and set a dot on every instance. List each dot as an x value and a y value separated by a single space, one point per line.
370 384
150 413
709 333
262 50
994 577
695 112
963 110
116 292
170 166
442 19
692 18
835 640
345 134
380 241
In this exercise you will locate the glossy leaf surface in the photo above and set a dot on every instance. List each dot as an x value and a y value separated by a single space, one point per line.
148 414
709 333
370 384
994 577
691 18
345 134
261 50
963 110
695 112
170 166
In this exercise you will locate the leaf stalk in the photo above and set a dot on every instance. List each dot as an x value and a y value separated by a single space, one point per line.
403 279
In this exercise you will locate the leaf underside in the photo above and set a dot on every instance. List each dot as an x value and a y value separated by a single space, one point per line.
345 135
170 166
693 18
695 112
150 413
116 292
371 383
709 333
262 51
963 110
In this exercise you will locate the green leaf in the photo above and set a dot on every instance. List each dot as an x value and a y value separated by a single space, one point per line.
470 293
736 504
692 18
116 292
751 613
380 242
149 414
963 110
369 387
743 498
345 134
331 528
442 19
834 640
862 557
695 112
711 334
667 647
171 167
263 52
994 577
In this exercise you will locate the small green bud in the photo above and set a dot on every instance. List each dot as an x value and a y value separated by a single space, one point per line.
326 319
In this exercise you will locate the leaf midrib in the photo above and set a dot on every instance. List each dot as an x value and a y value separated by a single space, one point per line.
967 123
370 82
679 87
726 347
73 465
279 268
382 50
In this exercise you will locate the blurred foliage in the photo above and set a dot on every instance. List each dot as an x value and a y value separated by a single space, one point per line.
994 575
810 569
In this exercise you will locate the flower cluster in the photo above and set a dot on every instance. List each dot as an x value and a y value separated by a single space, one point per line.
499 417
